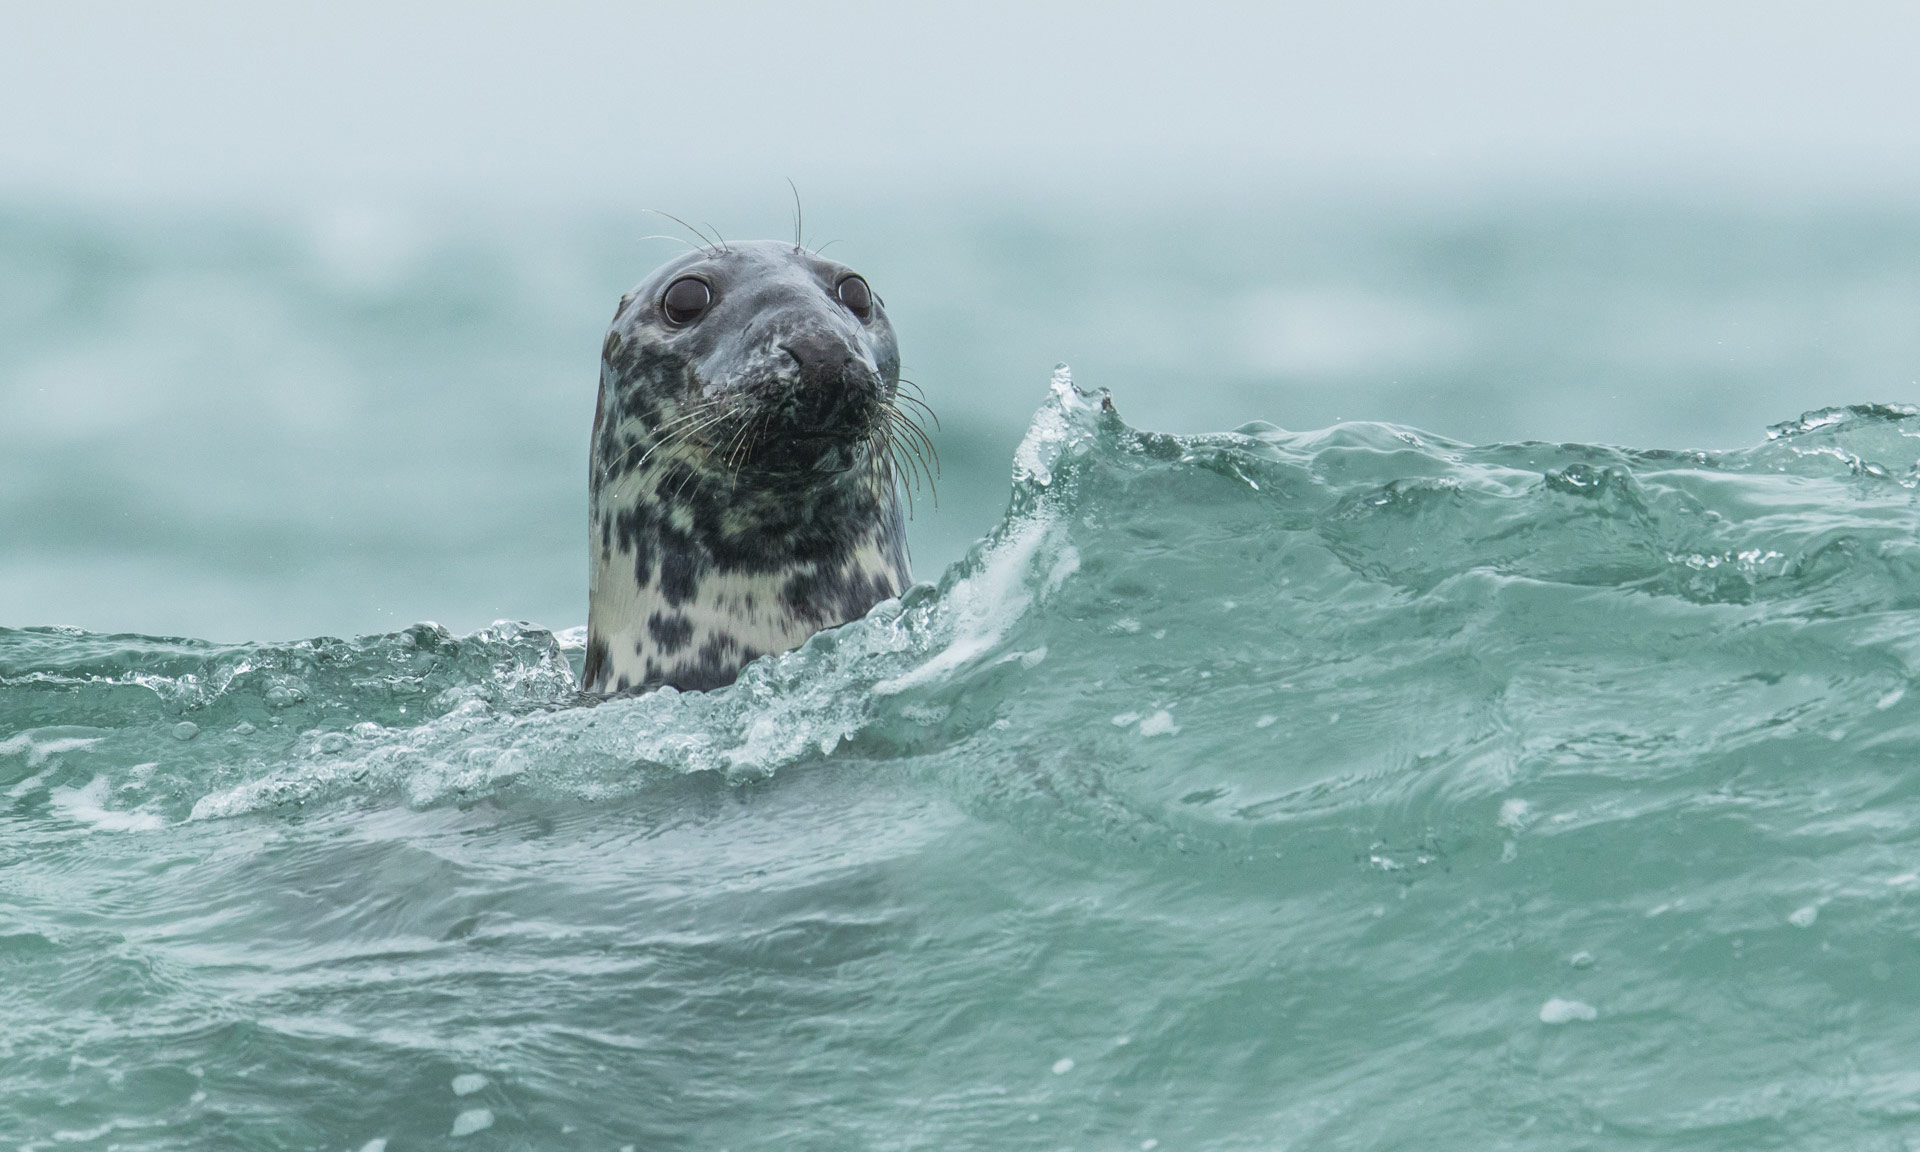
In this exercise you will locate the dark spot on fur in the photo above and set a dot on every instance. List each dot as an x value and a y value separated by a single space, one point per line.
670 633
679 577
833 596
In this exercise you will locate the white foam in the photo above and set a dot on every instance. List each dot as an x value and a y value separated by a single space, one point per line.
471 1121
42 744
1159 724
467 1083
1039 448
984 607
1558 1011
88 805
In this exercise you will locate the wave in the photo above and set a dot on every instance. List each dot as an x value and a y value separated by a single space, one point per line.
1190 642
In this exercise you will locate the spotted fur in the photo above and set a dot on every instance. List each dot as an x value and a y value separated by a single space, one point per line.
740 492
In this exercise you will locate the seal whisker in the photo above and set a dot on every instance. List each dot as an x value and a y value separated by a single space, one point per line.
737 449
923 406
706 245
677 240
930 471
919 434
911 445
678 437
661 435
909 468
756 428
799 219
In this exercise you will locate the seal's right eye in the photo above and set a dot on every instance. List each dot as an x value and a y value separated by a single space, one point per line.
686 299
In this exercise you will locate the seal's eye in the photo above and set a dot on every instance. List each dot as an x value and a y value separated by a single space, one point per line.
854 293
685 300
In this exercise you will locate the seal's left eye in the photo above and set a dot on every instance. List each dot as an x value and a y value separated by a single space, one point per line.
685 300
854 293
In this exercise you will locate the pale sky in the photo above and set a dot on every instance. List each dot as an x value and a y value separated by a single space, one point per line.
588 100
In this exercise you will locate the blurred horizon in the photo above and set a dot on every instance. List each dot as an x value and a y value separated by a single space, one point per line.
591 103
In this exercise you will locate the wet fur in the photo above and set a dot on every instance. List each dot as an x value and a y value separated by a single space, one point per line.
740 501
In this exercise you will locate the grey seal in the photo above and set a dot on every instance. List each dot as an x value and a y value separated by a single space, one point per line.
749 451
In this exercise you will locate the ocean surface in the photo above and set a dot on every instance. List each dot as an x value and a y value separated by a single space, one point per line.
1440 777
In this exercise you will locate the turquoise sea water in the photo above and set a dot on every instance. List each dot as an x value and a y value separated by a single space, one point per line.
1264 789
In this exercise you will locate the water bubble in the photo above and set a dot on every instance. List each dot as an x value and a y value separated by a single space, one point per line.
185 730
1581 960
377 1144
331 743
1266 721
1804 917
1063 1066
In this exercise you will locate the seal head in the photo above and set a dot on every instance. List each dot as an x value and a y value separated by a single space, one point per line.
743 489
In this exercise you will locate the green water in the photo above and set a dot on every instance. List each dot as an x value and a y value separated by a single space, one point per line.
1354 788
